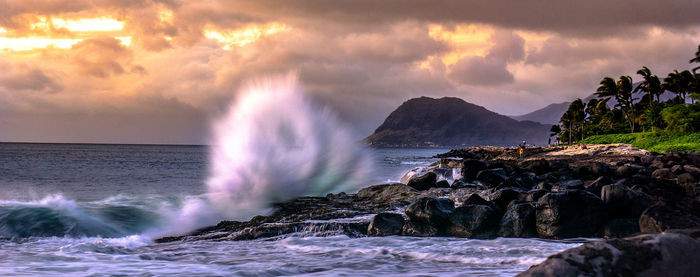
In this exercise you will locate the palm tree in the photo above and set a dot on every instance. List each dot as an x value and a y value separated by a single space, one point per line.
651 85
574 118
696 59
622 92
679 83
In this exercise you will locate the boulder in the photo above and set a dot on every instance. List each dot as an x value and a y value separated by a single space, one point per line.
423 182
574 213
442 184
692 169
518 220
416 229
627 170
385 224
660 217
624 202
491 177
431 211
663 173
595 186
677 169
475 199
648 255
534 195
538 166
503 196
474 221
395 192
688 182
620 227
471 168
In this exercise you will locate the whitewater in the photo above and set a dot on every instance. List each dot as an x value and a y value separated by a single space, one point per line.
89 209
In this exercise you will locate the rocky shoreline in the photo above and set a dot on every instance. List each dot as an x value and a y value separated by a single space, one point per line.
602 191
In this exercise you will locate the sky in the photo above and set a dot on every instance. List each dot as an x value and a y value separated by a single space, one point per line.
137 71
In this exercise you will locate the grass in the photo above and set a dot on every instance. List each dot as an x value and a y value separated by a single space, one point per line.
656 142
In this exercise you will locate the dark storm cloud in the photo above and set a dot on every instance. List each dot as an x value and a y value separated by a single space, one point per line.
28 79
591 17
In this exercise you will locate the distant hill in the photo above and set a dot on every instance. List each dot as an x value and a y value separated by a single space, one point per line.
547 115
448 122
553 112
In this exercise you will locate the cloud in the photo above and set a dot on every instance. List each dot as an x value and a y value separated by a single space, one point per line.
361 58
28 79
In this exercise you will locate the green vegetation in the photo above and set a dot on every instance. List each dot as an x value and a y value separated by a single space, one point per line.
657 142
668 125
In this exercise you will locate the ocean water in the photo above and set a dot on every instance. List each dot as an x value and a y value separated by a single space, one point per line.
79 209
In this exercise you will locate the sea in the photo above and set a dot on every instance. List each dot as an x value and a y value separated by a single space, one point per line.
95 209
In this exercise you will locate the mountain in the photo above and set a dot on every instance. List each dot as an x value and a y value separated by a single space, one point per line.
547 115
553 112
449 121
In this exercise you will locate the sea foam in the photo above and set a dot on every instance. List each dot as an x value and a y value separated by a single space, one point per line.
273 145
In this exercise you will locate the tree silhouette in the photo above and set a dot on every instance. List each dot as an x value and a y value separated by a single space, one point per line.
696 59
622 92
651 85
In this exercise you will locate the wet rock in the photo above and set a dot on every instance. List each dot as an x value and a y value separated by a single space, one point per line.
663 173
442 184
568 185
677 169
471 168
475 199
626 171
620 227
688 182
647 255
385 224
424 182
268 230
534 195
538 166
692 169
474 221
574 213
544 186
661 217
416 229
624 202
503 196
595 186
431 211
395 192
518 220
491 177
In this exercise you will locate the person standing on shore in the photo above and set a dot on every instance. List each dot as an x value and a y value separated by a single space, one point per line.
522 149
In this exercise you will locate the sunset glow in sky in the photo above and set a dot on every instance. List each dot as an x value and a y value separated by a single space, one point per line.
158 71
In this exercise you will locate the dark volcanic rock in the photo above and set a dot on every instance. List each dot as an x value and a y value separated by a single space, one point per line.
388 192
431 211
663 173
491 177
519 220
474 221
534 195
620 227
442 184
385 224
624 202
650 255
424 182
538 166
472 167
475 199
575 213
503 196
660 218
415 229
595 186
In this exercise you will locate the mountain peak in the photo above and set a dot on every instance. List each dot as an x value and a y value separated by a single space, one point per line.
451 121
